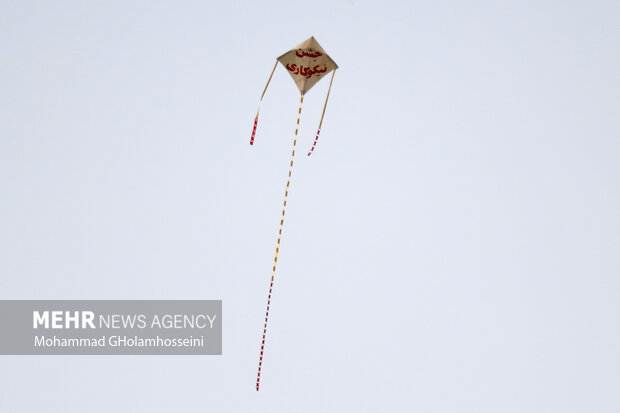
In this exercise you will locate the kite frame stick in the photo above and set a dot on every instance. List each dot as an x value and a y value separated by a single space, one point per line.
323 114
259 102
275 259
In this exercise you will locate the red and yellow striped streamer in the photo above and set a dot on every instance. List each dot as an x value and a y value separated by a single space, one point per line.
261 99
275 259
322 115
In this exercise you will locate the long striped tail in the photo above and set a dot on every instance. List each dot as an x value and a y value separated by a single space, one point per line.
275 259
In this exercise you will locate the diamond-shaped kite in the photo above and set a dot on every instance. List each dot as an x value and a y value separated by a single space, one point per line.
307 64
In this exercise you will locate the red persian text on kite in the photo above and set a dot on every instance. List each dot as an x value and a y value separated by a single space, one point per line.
306 71
309 53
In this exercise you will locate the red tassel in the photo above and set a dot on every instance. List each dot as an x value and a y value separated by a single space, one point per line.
315 141
254 130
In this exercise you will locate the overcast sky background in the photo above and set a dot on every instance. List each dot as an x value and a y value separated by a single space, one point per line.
452 245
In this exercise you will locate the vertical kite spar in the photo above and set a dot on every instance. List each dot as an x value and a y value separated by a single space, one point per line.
306 64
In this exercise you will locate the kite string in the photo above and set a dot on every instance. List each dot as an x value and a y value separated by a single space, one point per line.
275 260
261 99
322 115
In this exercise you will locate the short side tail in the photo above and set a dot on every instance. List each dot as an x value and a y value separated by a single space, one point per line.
322 115
261 99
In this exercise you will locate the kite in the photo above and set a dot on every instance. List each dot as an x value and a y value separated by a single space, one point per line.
307 64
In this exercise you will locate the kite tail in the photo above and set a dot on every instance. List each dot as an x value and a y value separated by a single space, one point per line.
261 99
275 259
315 141
322 115
254 129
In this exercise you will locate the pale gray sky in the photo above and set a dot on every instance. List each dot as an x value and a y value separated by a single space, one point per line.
451 246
